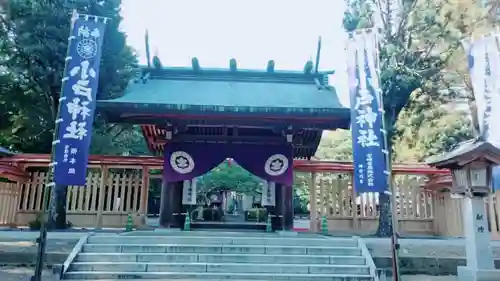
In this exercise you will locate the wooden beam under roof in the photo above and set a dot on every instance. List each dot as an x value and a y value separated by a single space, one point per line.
223 139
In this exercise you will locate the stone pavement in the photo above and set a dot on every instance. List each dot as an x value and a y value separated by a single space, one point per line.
449 248
425 256
9 273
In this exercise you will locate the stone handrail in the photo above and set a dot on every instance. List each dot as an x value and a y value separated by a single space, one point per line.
76 250
369 261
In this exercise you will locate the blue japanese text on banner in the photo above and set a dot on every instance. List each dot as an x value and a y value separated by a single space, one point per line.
79 100
484 70
367 139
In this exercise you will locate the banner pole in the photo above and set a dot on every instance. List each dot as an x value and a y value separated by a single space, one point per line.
392 200
388 171
49 194
369 127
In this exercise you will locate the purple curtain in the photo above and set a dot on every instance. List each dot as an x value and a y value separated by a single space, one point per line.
189 160
270 162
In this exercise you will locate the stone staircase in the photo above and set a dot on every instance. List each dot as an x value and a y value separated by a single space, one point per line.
203 255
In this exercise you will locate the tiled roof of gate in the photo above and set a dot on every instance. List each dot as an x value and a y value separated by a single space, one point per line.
223 91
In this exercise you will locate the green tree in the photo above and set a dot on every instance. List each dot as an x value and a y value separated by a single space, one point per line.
427 128
416 44
335 145
118 139
33 44
229 176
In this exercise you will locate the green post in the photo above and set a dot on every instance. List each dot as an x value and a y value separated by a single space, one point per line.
187 222
269 227
130 223
324 225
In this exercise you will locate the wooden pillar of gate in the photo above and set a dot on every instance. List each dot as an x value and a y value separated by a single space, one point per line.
287 209
277 221
102 194
312 204
165 218
178 210
171 209
143 207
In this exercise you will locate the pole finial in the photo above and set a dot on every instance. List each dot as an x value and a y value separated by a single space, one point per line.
318 55
148 54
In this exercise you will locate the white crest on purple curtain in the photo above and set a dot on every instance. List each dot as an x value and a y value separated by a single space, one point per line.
182 162
276 165
484 67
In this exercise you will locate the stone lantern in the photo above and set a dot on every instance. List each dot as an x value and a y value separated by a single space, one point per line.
470 165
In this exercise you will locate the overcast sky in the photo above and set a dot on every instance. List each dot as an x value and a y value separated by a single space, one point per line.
252 32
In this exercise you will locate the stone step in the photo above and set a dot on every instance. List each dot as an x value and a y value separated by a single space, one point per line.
95 275
218 268
221 249
221 240
219 258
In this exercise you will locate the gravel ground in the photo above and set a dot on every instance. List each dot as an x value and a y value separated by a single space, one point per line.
8 273
24 273
428 278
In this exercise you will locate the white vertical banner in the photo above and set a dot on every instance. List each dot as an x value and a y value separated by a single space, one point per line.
484 69
189 192
268 194
483 57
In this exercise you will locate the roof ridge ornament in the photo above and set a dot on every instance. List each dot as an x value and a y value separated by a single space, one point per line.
233 65
148 54
157 63
270 66
141 75
137 76
308 67
156 60
318 56
195 63
145 77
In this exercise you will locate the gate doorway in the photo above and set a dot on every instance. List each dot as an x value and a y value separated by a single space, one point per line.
227 197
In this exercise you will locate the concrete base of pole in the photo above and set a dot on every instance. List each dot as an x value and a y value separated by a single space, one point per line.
477 237
480 265
466 273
